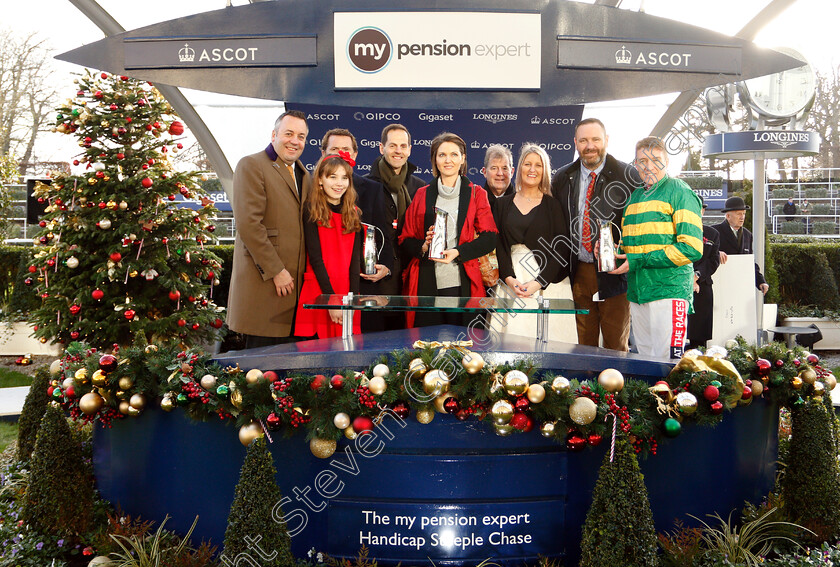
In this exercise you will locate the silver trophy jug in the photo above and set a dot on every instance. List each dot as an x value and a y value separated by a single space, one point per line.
370 253
606 246
439 238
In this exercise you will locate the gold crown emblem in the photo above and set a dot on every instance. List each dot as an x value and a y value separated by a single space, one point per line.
623 56
186 54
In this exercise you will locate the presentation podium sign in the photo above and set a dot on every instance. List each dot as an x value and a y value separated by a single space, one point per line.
735 300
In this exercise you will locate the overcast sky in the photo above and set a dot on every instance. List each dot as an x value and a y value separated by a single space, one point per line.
66 28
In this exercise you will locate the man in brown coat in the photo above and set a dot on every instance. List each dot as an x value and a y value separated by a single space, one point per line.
269 188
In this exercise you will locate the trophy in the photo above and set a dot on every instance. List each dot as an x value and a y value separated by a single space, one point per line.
606 246
370 254
439 238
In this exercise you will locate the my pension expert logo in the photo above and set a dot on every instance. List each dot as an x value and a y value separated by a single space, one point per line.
369 49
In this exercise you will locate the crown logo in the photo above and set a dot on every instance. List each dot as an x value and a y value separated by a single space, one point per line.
186 54
623 56
535 120
475 145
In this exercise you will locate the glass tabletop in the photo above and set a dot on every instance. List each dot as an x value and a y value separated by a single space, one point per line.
447 304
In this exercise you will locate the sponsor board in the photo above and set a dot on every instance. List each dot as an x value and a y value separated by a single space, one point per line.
600 53
257 51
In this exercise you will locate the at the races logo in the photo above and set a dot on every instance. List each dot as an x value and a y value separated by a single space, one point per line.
369 49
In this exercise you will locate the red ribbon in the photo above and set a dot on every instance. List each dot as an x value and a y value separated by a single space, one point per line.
345 156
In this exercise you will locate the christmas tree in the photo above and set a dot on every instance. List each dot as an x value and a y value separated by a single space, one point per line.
115 255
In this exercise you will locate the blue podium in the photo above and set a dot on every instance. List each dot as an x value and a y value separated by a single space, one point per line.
450 491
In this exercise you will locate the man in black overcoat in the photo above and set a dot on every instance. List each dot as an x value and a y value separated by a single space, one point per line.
700 322
735 239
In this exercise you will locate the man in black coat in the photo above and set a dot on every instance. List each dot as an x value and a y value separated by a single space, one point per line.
596 186
735 239
497 172
700 322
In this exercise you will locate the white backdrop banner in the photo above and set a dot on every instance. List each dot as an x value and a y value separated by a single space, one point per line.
434 50
734 288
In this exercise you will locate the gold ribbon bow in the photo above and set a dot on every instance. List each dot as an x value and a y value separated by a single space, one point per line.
460 346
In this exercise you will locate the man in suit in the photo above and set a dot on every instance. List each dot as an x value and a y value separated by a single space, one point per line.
735 239
497 172
268 190
371 200
700 322
596 186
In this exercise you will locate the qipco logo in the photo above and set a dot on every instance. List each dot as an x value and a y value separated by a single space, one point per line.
369 50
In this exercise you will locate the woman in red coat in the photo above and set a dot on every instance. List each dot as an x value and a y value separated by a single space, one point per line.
471 233
332 229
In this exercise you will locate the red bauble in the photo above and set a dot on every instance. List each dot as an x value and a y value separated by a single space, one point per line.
813 359
175 295
747 394
103 204
270 376
519 421
217 323
575 442
521 403
401 409
318 382
780 363
104 75
182 323
120 156
462 414
796 363
594 439
75 308
146 182
28 281
108 363
451 405
763 366
129 314
711 393
273 421
97 294
176 128
195 326
337 382
115 256
70 392
362 424
32 269
74 335
716 408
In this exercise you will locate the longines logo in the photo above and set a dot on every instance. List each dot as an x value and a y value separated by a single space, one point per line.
369 49
782 139
494 118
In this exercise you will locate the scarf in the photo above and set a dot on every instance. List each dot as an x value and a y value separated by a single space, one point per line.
395 184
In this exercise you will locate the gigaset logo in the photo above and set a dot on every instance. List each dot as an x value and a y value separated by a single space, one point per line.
369 49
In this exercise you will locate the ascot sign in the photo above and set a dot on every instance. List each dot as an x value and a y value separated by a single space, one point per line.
432 50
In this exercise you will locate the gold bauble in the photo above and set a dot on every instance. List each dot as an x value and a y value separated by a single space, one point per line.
561 385
796 382
250 432
350 433
322 448
381 370
81 376
425 415
502 412
137 401
341 420
611 380
686 403
253 376
208 381
133 412
377 385
69 381
503 430
548 428
126 383
663 390
91 403
536 393
830 382
819 389
472 363
583 411
124 407
101 561
439 401
417 367
55 367
150 349
435 382
757 388
236 398
808 375
99 378
167 403
123 205
515 382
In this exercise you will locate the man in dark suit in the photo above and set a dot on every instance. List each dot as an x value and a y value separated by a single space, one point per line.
735 239
596 186
371 200
497 172
269 254
700 322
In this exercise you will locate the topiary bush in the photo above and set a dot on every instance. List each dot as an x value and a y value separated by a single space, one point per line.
806 275
810 489
816 193
824 228
793 227
619 525
250 516
33 410
821 209
782 193
60 498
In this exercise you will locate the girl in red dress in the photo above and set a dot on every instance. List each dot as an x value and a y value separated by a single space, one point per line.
332 229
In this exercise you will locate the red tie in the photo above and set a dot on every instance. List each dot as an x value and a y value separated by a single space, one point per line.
587 230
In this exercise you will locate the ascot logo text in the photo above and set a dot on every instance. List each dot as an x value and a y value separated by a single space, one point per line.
369 49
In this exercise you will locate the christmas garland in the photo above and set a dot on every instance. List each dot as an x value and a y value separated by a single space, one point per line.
434 378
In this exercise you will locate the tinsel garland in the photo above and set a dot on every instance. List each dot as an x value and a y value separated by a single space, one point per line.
93 386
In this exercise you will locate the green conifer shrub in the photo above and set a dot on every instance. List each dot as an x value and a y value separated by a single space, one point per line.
30 416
